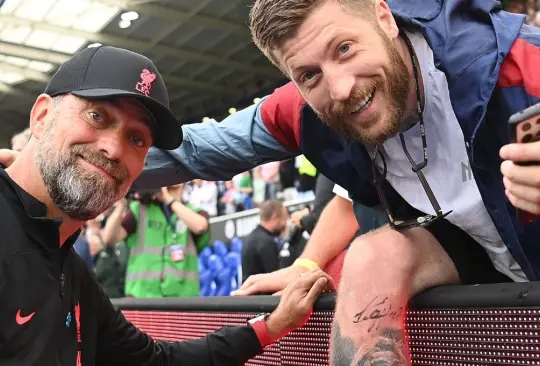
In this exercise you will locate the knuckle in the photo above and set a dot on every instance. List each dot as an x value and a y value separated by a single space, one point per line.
512 200
536 199
508 168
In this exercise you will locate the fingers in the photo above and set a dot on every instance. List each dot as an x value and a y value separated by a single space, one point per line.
316 290
521 152
243 291
528 175
330 285
249 287
523 204
521 191
522 185
308 279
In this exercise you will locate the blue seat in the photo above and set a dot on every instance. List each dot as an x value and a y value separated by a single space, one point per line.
233 262
236 245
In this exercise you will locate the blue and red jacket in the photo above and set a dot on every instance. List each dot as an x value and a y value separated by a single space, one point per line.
492 64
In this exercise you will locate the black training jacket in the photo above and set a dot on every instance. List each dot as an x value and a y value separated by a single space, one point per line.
53 311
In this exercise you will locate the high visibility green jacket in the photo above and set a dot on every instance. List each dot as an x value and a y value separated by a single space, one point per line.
162 262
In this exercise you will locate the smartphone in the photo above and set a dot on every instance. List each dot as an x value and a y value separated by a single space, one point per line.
524 127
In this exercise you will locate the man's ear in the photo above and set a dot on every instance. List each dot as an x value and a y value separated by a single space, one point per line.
386 19
43 107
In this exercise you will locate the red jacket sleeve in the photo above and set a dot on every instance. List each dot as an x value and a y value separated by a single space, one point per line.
281 114
520 68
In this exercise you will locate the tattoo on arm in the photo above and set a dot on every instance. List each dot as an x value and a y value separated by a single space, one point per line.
390 350
375 310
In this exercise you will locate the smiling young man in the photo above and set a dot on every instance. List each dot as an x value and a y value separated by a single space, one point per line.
91 130
403 103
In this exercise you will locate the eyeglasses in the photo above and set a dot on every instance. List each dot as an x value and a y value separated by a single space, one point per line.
379 177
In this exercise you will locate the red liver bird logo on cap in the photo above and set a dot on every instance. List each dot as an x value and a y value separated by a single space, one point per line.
145 84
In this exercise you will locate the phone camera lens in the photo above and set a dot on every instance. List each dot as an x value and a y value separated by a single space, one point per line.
527 138
526 126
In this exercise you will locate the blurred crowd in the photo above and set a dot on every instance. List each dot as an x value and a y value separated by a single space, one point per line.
285 180
530 8
156 243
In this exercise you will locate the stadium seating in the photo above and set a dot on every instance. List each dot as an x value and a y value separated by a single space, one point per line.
220 268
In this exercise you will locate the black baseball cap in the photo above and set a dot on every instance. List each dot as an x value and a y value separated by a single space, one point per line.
105 72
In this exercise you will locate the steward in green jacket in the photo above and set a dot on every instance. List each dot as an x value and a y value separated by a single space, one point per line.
163 237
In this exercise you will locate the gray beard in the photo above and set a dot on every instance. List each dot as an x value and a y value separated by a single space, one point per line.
82 195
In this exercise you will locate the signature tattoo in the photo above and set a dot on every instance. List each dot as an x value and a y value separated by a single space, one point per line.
390 349
375 310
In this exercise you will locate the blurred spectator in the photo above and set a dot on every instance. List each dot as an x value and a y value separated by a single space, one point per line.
110 259
82 248
18 141
243 190
260 252
259 186
164 237
515 6
303 222
526 7
205 196
92 234
306 219
243 183
270 174
530 11
110 268
228 198
287 173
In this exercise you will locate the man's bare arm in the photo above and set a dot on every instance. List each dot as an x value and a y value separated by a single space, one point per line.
113 230
334 231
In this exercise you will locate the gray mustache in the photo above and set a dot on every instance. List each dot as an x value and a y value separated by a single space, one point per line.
114 168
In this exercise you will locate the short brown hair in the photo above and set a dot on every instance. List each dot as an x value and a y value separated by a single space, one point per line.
270 208
273 22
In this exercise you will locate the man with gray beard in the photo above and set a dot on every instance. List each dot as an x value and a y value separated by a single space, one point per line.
79 193
91 131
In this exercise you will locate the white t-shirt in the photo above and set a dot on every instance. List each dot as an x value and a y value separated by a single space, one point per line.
448 170
205 197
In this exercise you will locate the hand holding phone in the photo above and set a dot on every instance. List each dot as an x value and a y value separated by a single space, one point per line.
525 128
521 168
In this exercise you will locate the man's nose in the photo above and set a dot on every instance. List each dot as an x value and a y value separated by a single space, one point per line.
339 85
112 144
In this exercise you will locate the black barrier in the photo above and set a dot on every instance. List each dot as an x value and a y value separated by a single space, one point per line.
452 325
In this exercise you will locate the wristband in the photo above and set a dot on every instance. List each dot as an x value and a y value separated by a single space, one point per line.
259 326
306 263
